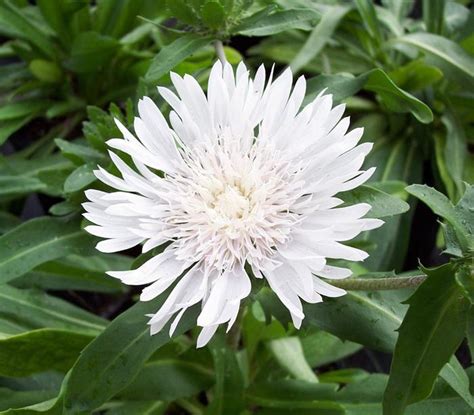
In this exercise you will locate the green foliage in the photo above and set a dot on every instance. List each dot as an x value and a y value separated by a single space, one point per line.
430 333
40 351
76 341
39 241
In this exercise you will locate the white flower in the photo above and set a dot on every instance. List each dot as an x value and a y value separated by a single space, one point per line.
248 183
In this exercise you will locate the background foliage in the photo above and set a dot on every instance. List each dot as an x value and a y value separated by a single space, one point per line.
73 341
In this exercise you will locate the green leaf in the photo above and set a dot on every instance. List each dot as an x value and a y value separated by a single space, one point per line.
38 241
343 376
465 213
212 14
321 348
174 53
7 128
168 380
25 27
277 22
45 70
116 17
8 221
433 15
455 151
76 273
470 332
431 332
416 75
455 376
363 397
11 186
111 361
295 395
369 19
319 36
435 200
229 387
78 153
444 53
80 178
288 352
376 80
90 51
351 317
152 407
61 108
40 350
35 309
34 167
58 15
383 204
395 98
183 10
465 279
49 407
459 217
10 399
21 109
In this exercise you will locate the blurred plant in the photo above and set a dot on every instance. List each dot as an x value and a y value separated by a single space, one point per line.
60 56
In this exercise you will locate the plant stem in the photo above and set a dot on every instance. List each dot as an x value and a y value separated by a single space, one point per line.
219 47
192 407
377 284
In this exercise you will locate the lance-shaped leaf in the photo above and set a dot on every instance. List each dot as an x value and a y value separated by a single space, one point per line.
35 309
288 352
442 52
40 350
111 362
38 241
431 332
460 217
375 80
174 53
229 387
277 22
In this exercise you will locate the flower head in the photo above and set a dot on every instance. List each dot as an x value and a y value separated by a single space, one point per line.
241 181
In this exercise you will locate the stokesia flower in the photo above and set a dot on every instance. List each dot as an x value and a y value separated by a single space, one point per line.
240 184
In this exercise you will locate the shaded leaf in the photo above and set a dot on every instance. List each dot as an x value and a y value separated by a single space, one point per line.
38 241
80 178
168 380
383 204
212 14
229 387
276 22
40 350
319 36
35 309
431 332
115 357
90 51
25 27
376 80
174 53
444 53
288 352
76 273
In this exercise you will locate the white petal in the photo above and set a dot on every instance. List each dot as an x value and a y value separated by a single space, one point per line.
205 335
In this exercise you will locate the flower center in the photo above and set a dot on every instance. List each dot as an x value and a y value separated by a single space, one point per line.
231 203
